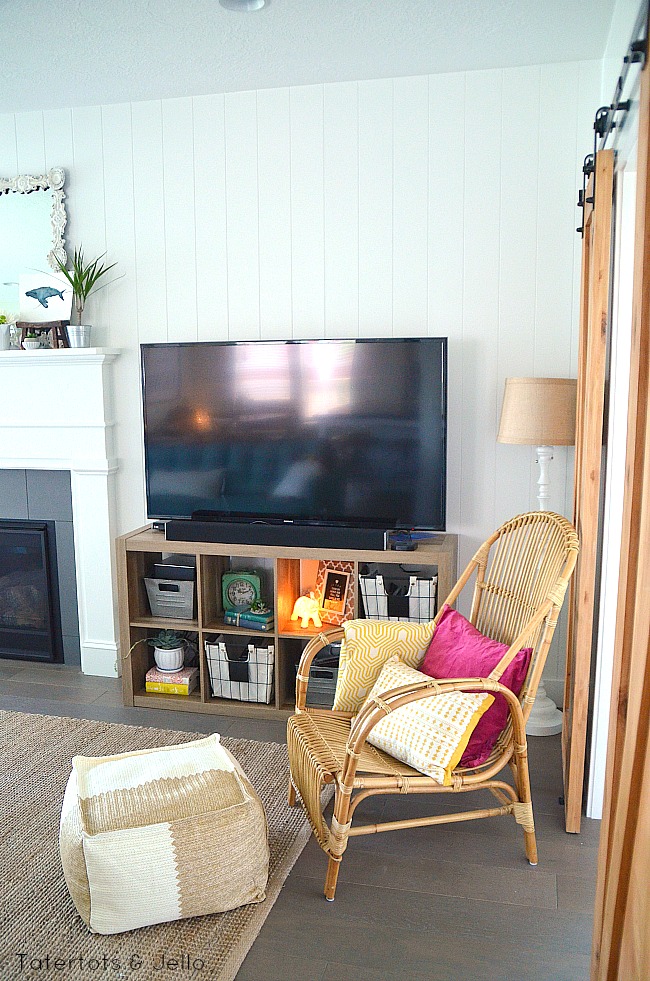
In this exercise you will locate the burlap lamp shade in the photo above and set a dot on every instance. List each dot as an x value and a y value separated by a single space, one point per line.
539 411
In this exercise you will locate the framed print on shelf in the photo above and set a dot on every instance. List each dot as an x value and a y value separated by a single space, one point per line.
44 297
335 590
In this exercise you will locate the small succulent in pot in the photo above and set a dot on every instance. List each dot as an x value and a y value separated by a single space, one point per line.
168 650
166 640
259 606
31 341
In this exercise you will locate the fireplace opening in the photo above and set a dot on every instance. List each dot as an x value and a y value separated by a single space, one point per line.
30 621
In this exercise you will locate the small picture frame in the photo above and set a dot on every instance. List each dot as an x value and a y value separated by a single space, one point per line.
334 588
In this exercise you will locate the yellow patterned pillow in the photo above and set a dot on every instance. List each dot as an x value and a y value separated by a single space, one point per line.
367 645
430 735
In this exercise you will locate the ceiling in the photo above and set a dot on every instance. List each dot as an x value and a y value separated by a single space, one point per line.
61 53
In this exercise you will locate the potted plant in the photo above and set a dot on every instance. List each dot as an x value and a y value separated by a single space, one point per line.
31 341
168 650
83 277
5 327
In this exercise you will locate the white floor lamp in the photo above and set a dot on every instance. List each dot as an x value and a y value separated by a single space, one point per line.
540 412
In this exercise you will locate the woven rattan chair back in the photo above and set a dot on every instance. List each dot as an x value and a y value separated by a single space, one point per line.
523 567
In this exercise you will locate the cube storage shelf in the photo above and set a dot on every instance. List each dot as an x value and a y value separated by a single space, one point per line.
139 551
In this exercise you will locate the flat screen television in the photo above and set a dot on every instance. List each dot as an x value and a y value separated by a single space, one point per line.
340 432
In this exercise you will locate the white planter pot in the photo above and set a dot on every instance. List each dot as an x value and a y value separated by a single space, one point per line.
31 343
79 335
5 336
169 660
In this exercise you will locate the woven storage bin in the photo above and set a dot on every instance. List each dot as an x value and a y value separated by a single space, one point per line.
161 834
241 669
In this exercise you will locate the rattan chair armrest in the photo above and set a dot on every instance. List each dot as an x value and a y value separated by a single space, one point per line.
315 645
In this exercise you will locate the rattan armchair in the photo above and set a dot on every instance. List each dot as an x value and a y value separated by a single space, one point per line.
520 577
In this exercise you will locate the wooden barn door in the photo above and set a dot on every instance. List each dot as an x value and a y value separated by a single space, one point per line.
592 355
621 949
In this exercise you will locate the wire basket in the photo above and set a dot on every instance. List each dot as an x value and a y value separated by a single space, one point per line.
408 599
240 669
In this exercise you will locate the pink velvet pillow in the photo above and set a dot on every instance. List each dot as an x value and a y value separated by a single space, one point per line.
459 650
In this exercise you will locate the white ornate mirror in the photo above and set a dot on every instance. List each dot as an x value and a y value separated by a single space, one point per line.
32 223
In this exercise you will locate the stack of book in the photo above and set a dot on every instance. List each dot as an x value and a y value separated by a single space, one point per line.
180 682
251 621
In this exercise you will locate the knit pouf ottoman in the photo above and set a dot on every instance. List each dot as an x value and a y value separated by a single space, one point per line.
161 834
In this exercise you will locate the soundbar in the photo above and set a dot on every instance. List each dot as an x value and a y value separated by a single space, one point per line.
300 536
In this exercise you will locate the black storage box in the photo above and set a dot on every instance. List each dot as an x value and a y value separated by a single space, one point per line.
182 573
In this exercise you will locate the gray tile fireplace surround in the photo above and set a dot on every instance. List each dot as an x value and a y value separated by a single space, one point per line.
45 495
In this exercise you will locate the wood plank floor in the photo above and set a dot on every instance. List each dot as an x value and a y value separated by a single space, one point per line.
452 903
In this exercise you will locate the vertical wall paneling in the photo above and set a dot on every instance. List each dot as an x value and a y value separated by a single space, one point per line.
8 148
210 216
307 219
85 199
149 221
446 192
274 185
557 196
57 130
410 205
30 142
120 232
555 305
341 204
481 223
376 208
520 161
242 216
122 299
180 243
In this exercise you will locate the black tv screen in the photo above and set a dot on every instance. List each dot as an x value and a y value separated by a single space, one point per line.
349 432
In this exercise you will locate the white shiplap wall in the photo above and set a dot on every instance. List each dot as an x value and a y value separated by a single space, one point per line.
440 205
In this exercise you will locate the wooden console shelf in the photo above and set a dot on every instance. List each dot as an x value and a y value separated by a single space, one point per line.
139 550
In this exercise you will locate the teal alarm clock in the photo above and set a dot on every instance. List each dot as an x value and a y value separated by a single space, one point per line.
240 589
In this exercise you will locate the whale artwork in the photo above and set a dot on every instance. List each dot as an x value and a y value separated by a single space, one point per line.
44 297
43 294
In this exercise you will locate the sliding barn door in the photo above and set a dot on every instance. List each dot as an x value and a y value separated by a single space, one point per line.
621 950
592 356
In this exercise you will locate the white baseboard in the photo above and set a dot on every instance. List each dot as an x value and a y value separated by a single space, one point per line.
100 659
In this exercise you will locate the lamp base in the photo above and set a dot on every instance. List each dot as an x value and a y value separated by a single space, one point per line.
545 718
544 457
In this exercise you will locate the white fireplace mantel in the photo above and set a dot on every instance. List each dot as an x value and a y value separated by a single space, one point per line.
56 413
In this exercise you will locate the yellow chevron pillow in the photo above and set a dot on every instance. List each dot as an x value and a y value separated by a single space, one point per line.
367 645
429 735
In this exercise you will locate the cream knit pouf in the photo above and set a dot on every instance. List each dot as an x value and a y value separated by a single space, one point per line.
161 834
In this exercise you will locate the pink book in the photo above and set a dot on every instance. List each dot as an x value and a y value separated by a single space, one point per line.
181 677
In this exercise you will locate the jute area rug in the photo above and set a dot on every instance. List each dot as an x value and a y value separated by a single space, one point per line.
37 918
